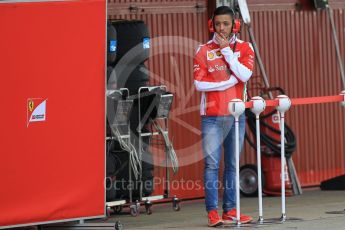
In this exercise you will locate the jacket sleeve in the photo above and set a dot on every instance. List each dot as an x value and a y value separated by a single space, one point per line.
200 73
242 66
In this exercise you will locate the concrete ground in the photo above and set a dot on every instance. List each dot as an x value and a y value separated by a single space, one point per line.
311 208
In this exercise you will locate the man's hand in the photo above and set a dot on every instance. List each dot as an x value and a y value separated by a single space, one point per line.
222 40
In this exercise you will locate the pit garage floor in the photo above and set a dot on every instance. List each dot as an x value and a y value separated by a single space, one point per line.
311 207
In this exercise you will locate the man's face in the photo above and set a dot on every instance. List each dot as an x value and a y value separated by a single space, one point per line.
223 24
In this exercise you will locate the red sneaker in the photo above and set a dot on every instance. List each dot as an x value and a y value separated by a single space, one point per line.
230 217
214 219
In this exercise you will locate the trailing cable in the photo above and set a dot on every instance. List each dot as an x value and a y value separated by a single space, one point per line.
169 147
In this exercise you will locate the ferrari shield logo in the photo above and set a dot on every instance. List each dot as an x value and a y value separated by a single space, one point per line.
31 105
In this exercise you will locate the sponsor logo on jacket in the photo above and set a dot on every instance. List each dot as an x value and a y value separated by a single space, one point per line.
217 68
214 54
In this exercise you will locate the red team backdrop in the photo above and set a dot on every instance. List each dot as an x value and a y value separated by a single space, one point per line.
52 116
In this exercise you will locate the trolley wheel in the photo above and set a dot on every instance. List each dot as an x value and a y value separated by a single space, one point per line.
108 211
117 209
118 225
176 204
249 180
148 207
135 209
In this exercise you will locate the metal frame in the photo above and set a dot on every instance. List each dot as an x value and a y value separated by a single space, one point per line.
115 203
147 200
140 135
134 205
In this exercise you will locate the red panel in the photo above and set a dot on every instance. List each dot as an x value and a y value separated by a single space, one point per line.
53 169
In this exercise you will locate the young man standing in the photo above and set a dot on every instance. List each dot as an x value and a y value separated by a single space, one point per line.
222 67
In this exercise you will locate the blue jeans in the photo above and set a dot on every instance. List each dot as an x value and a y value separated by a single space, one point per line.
218 131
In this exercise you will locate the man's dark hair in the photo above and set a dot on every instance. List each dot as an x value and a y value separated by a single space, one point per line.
221 10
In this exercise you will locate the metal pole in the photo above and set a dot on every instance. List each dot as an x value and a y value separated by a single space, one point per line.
259 106
282 155
258 152
167 162
130 181
238 220
336 44
140 145
283 106
236 108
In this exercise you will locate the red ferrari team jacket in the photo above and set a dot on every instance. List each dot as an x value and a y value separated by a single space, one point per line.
221 74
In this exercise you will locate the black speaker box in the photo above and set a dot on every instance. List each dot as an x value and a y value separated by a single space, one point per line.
133 42
336 183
